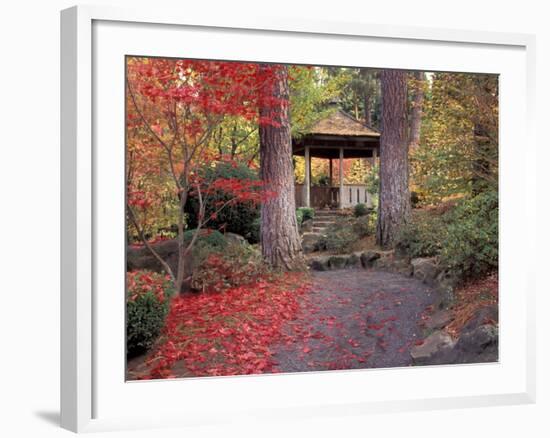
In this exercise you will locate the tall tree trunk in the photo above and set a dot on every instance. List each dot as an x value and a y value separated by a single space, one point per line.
368 110
416 112
279 238
395 205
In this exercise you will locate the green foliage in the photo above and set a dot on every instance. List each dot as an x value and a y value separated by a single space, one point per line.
307 213
310 89
207 237
372 179
237 218
422 236
339 241
365 225
299 217
470 247
359 92
464 238
147 303
254 235
360 210
459 137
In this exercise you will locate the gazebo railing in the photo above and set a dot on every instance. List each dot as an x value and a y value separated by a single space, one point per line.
329 196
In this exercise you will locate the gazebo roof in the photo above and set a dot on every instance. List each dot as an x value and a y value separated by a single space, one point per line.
338 130
341 123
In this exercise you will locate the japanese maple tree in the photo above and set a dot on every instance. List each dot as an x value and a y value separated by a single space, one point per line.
173 109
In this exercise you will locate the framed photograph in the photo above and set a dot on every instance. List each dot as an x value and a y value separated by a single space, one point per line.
268 219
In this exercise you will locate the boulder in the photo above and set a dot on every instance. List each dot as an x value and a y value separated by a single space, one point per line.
368 258
479 345
337 262
431 347
353 261
445 284
234 239
425 269
438 320
142 258
485 315
319 264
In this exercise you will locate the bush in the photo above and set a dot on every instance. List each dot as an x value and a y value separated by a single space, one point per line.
422 236
365 226
465 238
147 302
238 265
307 213
470 247
253 235
338 239
238 218
360 210
207 237
299 217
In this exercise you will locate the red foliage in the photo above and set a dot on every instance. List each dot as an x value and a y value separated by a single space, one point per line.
230 333
142 282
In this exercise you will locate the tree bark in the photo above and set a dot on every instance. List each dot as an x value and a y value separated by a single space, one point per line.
279 238
416 112
394 206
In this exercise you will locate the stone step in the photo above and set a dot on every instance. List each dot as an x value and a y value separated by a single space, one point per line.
323 223
319 230
326 213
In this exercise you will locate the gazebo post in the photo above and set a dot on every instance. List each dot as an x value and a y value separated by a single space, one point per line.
330 172
307 176
341 177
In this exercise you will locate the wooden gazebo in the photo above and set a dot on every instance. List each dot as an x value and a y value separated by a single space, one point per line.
337 136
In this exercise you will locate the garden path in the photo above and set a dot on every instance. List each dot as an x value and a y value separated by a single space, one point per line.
355 319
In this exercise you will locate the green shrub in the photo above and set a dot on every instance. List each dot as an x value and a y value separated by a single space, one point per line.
360 210
299 217
147 301
212 238
365 225
253 236
470 247
338 239
307 213
422 236
237 218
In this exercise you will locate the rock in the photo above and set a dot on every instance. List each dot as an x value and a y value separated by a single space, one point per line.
319 264
485 315
307 225
425 269
432 345
479 344
142 258
337 262
445 284
368 258
235 239
438 320
353 261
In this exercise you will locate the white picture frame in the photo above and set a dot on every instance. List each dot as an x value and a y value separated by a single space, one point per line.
86 176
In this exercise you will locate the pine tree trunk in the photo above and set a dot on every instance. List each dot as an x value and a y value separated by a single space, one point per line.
394 206
279 238
416 112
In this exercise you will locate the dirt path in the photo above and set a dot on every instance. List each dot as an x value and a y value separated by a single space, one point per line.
355 319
